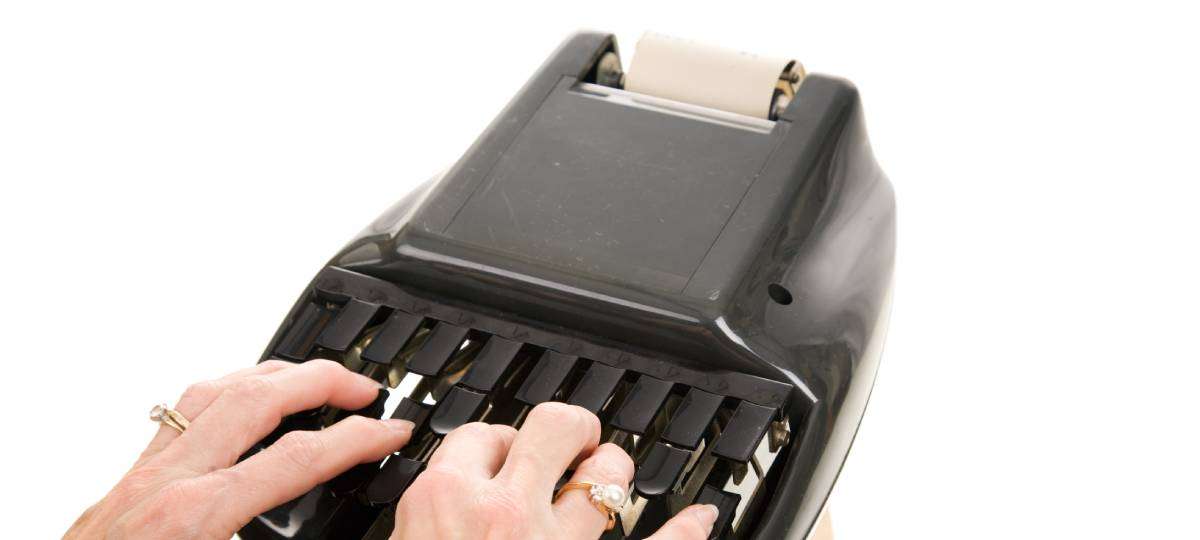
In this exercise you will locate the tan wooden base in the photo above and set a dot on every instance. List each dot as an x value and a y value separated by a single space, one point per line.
824 528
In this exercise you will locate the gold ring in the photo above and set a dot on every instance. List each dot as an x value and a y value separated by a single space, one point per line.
607 498
163 414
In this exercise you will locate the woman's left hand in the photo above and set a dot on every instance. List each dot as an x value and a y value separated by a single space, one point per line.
191 485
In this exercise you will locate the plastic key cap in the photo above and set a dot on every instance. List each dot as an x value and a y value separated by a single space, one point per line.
395 333
444 340
597 385
393 478
459 406
691 418
660 470
726 504
547 376
491 363
642 404
744 432
413 411
297 342
349 323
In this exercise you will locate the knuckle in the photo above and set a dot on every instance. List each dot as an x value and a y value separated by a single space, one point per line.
201 392
610 467
174 495
299 448
325 367
362 424
473 430
502 508
505 430
252 388
231 477
431 488
555 413
621 461
590 421
275 363
503 435
438 476
574 419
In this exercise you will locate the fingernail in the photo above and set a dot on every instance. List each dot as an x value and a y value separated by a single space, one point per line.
707 514
399 425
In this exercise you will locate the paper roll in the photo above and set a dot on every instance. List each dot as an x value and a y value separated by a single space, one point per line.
704 75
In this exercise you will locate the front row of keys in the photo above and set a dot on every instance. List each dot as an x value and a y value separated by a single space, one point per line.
675 439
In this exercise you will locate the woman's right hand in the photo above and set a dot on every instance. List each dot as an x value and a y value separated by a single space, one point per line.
495 482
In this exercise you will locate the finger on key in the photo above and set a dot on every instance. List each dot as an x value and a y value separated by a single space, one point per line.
251 407
692 523
300 460
199 396
476 448
552 437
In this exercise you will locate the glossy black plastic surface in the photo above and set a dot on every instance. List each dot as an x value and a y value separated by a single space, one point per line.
459 406
396 475
741 435
493 362
642 404
443 342
547 377
725 502
597 385
349 323
660 470
598 257
692 418
412 411
399 328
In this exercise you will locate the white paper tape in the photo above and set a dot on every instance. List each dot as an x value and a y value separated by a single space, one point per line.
704 75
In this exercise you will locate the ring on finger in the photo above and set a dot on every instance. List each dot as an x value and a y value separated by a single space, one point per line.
607 498
163 414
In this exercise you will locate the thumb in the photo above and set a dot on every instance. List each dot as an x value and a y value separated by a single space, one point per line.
693 523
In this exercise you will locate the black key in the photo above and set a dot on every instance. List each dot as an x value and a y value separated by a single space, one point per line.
744 432
374 410
301 421
660 470
389 484
443 342
456 408
349 323
352 479
597 384
491 363
691 418
298 340
642 404
398 329
726 504
547 375
413 411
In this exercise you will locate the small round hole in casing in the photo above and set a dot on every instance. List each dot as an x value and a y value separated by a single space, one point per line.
779 294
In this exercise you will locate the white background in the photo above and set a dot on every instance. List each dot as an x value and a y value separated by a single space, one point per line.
171 175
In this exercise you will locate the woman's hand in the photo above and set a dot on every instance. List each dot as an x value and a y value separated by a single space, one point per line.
488 481
483 481
190 485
